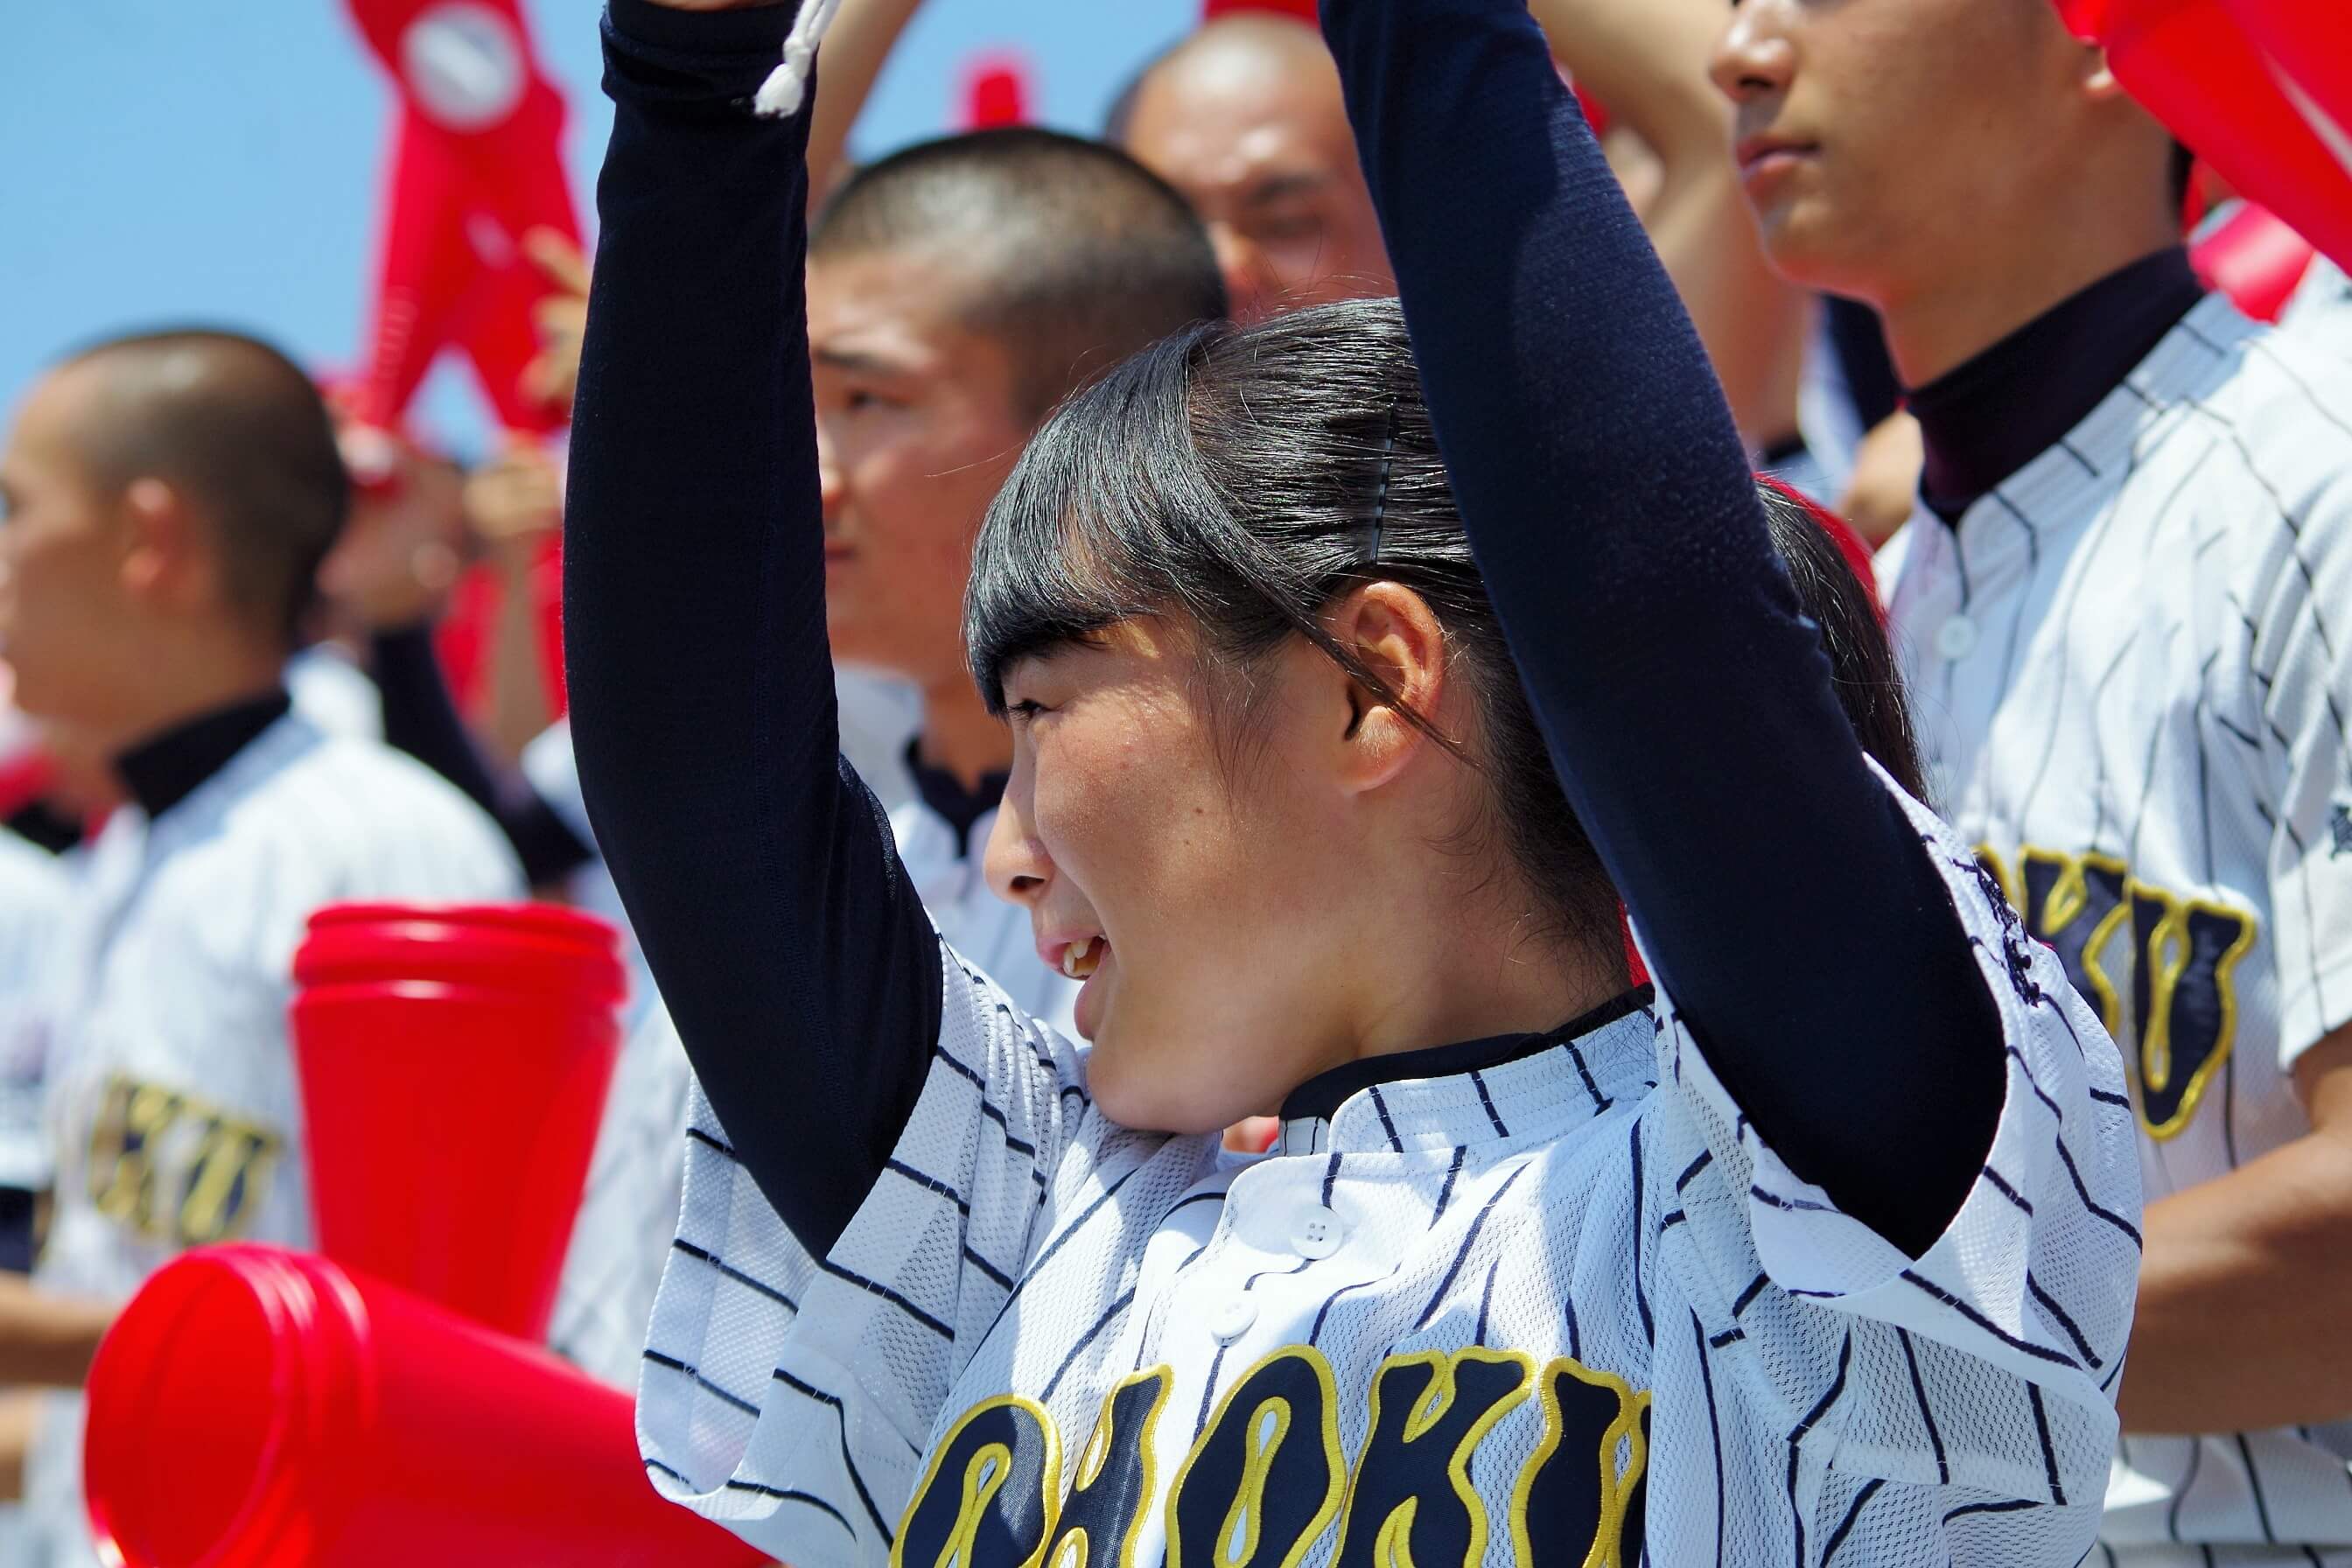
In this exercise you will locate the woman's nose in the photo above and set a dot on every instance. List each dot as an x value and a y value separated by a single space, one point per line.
1015 863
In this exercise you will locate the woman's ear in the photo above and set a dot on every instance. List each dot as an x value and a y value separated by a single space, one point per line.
1393 634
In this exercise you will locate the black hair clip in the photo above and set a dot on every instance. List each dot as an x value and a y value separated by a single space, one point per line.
1373 530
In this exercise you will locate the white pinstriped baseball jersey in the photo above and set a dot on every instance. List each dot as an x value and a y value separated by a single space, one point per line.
628 1207
174 1113
630 1204
1533 1313
334 693
35 889
2132 664
2321 308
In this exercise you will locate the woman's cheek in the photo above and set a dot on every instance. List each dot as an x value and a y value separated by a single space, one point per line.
1081 797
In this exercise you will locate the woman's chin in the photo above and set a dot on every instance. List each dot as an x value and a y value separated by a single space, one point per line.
1150 1101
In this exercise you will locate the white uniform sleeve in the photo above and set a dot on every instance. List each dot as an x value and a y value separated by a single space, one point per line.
2302 631
791 1398
1987 1364
35 895
628 1210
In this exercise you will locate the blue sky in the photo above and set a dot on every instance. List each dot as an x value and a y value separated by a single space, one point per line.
170 161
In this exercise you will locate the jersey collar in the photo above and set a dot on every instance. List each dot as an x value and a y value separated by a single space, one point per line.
162 772
959 807
1476 1090
1986 418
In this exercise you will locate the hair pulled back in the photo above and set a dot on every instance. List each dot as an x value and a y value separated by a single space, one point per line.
1242 478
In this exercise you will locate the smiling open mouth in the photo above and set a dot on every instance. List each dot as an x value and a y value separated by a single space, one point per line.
1081 957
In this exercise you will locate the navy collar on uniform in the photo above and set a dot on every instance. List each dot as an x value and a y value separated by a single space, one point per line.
1320 1097
164 771
1992 414
959 807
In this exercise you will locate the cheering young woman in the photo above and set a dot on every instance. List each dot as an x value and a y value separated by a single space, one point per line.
1359 666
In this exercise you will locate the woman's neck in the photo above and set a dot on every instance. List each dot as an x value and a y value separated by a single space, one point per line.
1448 968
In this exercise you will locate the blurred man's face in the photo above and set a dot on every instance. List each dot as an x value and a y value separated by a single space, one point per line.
1258 139
63 604
917 424
1884 145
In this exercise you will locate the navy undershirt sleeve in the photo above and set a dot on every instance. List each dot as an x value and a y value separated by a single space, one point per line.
760 873
422 720
1787 902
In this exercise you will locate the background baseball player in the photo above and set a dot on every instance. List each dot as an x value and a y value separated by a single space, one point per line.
932 375
1243 116
170 496
958 289
1560 1242
2118 604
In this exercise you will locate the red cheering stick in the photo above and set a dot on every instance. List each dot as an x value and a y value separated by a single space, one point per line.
475 167
996 91
1302 9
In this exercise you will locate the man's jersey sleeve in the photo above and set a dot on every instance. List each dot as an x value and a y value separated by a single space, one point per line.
1989 1362
791 1397
2299 621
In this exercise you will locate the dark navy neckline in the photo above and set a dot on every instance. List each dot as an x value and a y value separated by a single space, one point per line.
1320 1097
1994 413
162 772
959 807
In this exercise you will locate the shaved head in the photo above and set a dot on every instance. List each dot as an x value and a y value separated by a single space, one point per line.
1068 251
238 430
1246 117
1253 41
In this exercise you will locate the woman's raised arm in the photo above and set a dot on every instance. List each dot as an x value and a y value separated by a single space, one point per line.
798 964
1786 901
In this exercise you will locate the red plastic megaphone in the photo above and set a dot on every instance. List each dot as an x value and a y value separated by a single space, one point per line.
2261 89
454 1064
258 1408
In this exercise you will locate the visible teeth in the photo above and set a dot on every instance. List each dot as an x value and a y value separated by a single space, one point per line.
1078 959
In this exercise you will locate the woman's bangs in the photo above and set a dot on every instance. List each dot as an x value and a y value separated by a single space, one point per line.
1079 538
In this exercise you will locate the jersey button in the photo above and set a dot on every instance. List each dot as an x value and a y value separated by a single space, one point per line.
1318 1233
1956 639
1232 1320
